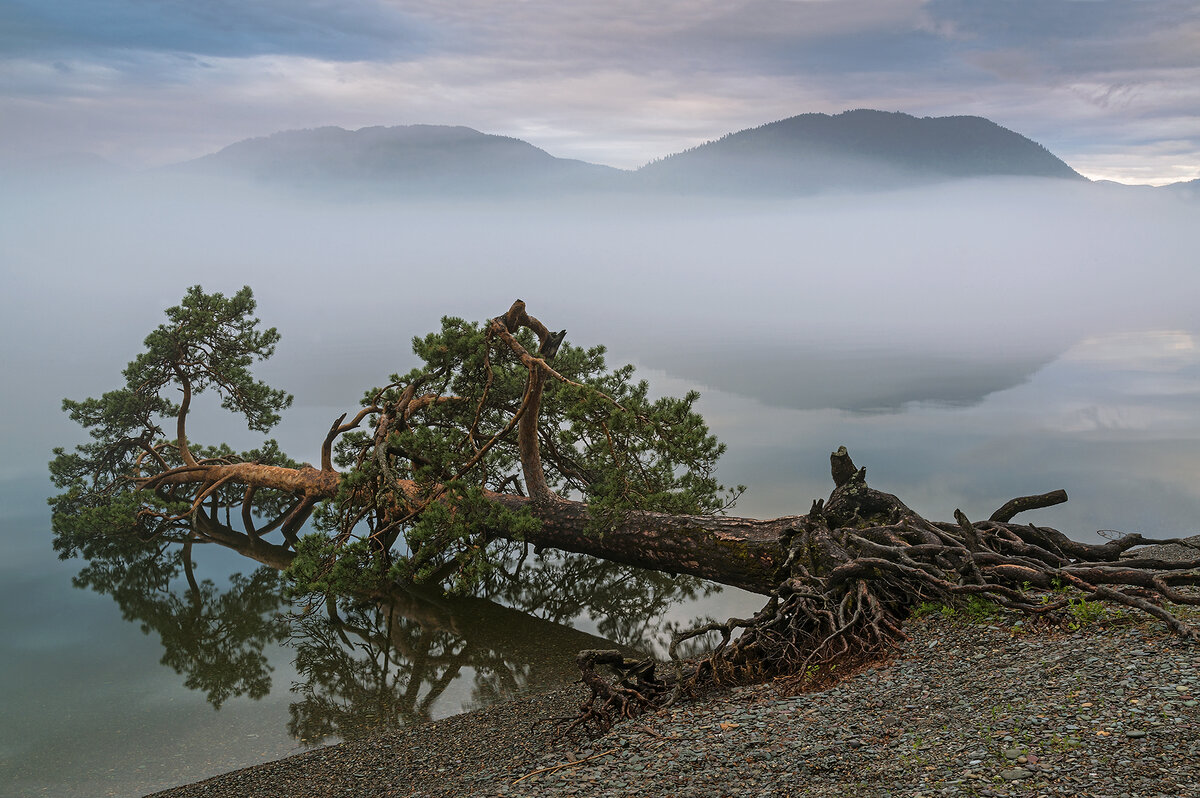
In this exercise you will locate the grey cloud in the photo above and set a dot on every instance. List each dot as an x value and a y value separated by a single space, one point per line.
333 31
941 41
816 38
705 37
873 51
1023 21
1068 37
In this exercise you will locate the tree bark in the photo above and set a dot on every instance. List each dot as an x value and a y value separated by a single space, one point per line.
741 552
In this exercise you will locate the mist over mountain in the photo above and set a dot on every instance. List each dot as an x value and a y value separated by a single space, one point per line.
404 160
1189 189
854 150
807 154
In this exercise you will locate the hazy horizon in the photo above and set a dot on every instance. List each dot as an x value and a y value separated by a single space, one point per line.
70 166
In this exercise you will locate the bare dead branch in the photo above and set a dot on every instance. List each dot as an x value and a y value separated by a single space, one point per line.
1023 504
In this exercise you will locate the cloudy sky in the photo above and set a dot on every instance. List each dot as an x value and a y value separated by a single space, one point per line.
1112 87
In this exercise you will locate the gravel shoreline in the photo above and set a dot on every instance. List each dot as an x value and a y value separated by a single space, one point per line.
969 707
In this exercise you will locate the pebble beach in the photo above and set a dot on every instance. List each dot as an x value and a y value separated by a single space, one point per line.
969 707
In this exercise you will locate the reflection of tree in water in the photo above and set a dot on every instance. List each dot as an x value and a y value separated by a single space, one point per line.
366 665
627 604
213 635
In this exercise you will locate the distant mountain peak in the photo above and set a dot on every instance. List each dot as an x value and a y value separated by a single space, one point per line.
406 159
858 149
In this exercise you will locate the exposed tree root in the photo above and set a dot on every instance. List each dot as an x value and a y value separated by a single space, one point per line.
635 688
859 563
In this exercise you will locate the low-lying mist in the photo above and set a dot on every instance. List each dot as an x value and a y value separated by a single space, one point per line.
833 312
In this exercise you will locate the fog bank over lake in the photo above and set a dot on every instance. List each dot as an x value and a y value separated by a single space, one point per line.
886 306
881 310
857 302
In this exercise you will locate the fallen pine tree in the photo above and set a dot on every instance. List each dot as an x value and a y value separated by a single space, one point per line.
505 436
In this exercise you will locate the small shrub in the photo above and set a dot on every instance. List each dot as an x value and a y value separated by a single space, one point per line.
1085 613
980 609
973 609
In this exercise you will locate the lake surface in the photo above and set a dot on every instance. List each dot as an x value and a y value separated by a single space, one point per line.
967 346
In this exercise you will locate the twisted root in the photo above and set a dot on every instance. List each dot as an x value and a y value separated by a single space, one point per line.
856 567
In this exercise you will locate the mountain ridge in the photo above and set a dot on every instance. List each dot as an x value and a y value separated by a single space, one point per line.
809 153
855 149
421 157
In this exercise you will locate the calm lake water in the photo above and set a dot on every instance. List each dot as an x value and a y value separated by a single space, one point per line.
118 689
966 345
